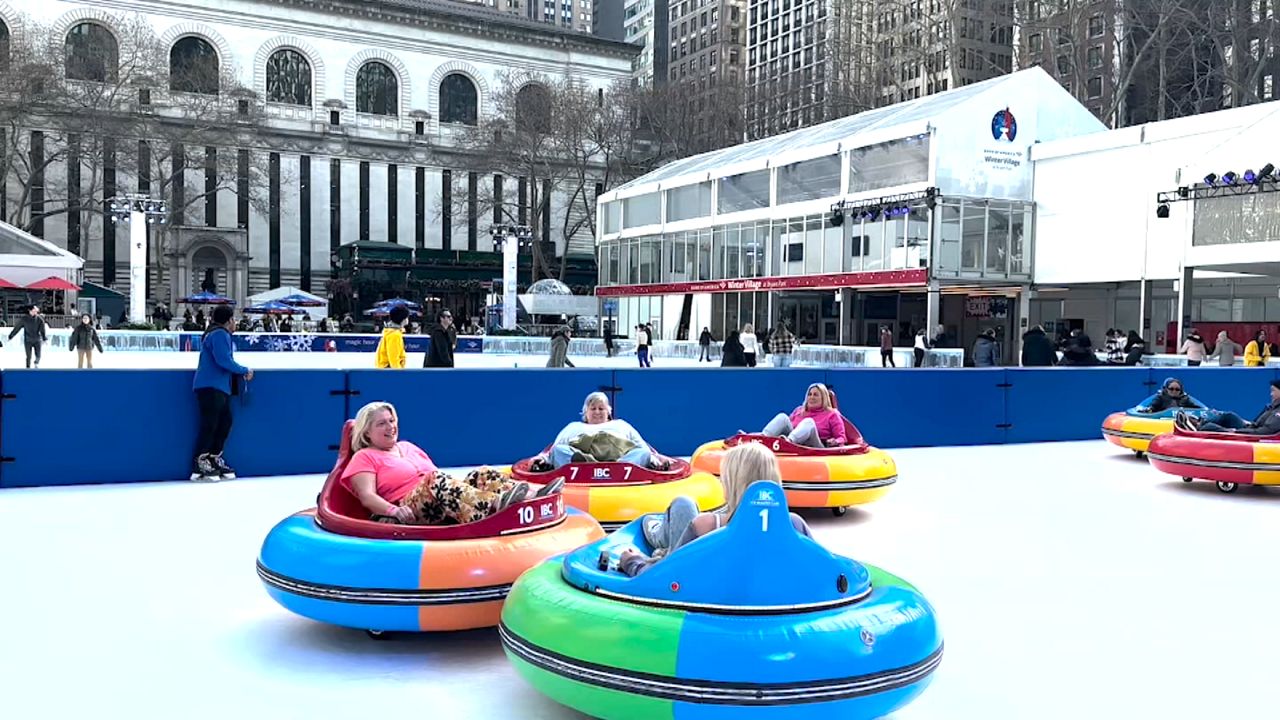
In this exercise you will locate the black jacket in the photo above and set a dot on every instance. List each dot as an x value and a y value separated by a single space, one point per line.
705 338
1037 349
33 328
731 354
1267 422
85 337
1079 351
1164 401
442 344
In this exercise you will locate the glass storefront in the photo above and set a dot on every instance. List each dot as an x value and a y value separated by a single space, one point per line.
983 239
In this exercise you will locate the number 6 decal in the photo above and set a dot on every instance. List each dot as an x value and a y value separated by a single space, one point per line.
777 444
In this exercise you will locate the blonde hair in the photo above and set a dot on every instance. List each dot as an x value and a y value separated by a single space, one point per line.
743 465
823 391
596 397
364 421
748 328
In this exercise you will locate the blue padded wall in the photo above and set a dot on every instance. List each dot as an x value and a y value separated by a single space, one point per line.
473 417
924 407
1047 404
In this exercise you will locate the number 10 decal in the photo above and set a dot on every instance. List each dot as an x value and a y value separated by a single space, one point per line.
526 515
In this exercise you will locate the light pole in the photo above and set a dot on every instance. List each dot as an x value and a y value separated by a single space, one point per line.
512 238
139 211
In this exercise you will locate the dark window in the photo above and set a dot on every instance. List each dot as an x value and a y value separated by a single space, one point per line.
546 211
4 47
335 117
335 204
288 78
273 220
144 167
92 53
446 209
193 66
523 191
211 187
497 199
393 204
377 90
1096 26
108 228
473 189
533 109
458 100
36 158
1094 87
364 201
178 189
1064 66
73 193
1094 55
304 221
242 189
144 96
419 128
420 207
1035 42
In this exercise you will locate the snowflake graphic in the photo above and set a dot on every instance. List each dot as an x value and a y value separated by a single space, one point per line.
251 339
298 343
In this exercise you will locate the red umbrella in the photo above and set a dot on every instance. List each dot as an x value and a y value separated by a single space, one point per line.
5 284
53 283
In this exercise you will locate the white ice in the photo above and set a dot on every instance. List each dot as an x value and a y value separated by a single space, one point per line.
1072 581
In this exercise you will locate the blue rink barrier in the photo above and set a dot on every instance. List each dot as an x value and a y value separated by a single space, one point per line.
72 427
311 342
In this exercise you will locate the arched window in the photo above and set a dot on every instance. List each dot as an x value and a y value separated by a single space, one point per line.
377 89
92 53
4 46
533 108
193 66
458 100
288 78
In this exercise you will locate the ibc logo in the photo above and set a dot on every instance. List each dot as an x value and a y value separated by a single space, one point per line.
601 474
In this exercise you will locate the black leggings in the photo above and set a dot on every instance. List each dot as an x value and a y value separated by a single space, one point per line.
30 348
215 421
919 357
886 358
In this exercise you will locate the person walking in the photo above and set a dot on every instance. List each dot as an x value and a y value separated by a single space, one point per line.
217 379
83 340
1225 350
921 347
444 337
560 348
704 345
749 345
782 344
34 333
886 347
1257 352
642 346
391 347
608 339
1037 349
985 350
1193 348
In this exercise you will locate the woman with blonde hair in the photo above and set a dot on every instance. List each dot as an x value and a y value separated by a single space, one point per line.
396 481
749 344
816 423
742 466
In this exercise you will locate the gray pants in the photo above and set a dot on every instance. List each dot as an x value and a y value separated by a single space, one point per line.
806 433
670 530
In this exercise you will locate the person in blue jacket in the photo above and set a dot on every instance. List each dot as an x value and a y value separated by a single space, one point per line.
217 379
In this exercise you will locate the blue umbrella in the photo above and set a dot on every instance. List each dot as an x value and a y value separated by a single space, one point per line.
300 300
207 298
388 304
272 307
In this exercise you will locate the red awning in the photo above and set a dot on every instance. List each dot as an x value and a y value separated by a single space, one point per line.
53 283
5 284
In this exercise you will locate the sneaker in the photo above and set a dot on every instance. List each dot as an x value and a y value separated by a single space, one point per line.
205 471
512 496
552 488
541 464
224 470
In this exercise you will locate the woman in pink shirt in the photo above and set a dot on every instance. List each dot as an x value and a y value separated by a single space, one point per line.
813 424
396 481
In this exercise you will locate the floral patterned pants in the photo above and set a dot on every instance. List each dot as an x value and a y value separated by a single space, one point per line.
445 500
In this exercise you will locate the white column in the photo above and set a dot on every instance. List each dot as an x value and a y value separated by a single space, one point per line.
137 266
1185 297
510 250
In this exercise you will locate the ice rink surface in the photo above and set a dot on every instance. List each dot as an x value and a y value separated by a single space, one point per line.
1071 580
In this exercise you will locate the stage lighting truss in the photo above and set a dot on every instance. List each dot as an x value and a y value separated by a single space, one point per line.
1263 180
121 208
889 206
522 234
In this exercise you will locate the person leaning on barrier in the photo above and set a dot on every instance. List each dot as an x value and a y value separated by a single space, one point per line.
1037 349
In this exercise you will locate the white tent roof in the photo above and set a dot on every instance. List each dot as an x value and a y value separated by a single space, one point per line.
25 258
283 291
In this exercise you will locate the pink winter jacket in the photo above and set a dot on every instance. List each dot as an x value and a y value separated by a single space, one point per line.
830 424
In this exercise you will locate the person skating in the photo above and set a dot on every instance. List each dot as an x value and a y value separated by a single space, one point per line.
217 379
704 345
83 340
560 348
391 346
34 333
444 337
886 347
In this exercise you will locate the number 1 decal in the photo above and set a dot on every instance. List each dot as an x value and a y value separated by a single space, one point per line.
764 521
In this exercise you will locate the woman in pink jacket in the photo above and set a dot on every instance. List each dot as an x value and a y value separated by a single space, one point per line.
813 424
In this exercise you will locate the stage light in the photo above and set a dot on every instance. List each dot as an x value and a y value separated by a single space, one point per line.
1184 191
1162 210
1229 178
1250 177
837 218
1210 179
1267 172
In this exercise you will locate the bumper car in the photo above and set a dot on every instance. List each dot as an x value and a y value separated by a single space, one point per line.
753 620
835 478
1228 460
615 493
1133 430
333 565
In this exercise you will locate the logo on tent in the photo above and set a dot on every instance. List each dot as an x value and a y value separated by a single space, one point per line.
1004 126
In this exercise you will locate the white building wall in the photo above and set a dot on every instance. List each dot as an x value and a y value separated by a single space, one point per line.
377 202
319 219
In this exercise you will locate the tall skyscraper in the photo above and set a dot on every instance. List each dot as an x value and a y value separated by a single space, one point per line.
572 14
644 23
706 48
606 19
